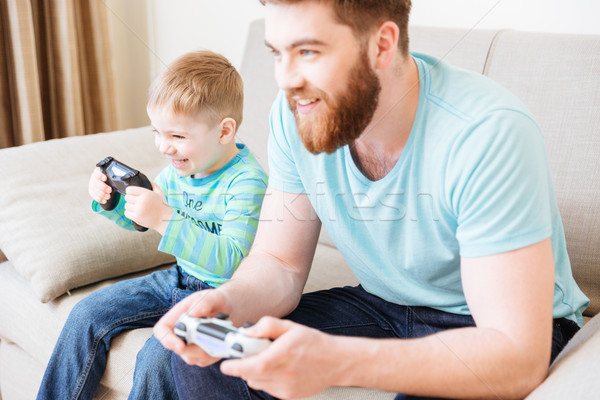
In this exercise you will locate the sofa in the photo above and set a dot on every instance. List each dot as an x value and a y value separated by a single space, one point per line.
55 251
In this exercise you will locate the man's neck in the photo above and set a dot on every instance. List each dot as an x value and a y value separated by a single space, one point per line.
379 147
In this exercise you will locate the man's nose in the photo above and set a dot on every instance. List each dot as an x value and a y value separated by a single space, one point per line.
288 75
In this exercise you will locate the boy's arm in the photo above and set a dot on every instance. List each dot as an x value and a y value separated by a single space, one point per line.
117 215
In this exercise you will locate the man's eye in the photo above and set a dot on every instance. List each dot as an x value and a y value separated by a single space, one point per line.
275 53
307 53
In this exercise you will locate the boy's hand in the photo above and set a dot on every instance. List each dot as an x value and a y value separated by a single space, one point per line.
97 187
148 208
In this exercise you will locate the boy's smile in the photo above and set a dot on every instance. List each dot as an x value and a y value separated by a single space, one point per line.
192 146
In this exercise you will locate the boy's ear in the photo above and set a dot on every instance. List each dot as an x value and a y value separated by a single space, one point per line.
227 127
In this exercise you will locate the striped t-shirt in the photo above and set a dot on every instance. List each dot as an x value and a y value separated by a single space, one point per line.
214 218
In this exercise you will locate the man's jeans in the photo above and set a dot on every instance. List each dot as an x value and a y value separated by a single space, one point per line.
79 358
347 311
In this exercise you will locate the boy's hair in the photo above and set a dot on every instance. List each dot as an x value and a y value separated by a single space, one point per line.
200 82
365 16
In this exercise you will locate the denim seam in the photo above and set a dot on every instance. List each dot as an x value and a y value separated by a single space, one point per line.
409 322
97 339
354 325
174 296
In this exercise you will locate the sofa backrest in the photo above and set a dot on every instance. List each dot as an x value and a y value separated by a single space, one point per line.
558 78
556 75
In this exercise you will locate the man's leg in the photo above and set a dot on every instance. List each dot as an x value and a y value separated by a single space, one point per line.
337 311
349 311
79 358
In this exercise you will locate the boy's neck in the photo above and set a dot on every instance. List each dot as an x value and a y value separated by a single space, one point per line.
231 150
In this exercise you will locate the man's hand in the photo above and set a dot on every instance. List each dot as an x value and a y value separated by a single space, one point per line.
148 208
299 363
204 303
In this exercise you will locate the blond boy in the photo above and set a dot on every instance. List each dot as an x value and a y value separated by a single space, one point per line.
205 204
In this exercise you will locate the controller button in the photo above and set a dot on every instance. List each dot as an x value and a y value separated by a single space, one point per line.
237 347
181 326
222 316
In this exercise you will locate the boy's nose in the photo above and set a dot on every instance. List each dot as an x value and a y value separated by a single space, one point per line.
165 147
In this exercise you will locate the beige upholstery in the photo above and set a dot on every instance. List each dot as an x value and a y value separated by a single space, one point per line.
46 227
558 78
56 244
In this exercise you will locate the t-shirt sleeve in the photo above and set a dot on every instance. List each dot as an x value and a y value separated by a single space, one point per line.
499 186
283 174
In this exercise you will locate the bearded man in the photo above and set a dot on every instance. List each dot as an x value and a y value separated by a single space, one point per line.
454 235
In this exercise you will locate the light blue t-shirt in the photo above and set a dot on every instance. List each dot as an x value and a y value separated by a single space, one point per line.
473 180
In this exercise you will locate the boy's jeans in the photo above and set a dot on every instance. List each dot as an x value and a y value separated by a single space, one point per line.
347 311
79 357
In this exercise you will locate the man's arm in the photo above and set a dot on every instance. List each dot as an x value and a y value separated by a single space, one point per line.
268 282
505 356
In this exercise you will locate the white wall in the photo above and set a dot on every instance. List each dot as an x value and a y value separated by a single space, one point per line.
183 25
151 33
571 16
180 26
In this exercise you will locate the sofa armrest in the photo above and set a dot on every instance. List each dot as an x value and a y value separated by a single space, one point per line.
574 373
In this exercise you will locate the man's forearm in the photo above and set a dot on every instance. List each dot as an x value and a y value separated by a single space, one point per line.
461 363
263 285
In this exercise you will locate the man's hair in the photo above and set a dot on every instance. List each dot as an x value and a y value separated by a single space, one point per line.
200 82
365 16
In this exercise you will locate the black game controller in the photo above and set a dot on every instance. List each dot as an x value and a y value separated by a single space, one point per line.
119 178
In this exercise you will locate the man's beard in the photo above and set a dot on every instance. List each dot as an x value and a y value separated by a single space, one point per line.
347 115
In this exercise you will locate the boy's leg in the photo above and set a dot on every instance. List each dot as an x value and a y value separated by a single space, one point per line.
152 378
79 357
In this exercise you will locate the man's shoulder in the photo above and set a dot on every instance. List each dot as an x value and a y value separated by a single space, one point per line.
462 93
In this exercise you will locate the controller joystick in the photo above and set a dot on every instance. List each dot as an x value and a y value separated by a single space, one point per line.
119 177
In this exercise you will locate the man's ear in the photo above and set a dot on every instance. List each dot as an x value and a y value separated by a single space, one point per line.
386 44
227 128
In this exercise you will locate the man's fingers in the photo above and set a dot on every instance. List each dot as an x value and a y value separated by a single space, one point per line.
269 327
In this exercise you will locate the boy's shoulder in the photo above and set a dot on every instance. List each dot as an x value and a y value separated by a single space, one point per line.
246 165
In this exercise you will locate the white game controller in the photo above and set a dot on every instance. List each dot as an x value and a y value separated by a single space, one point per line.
218 337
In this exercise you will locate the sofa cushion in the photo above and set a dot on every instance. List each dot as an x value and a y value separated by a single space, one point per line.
47 228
